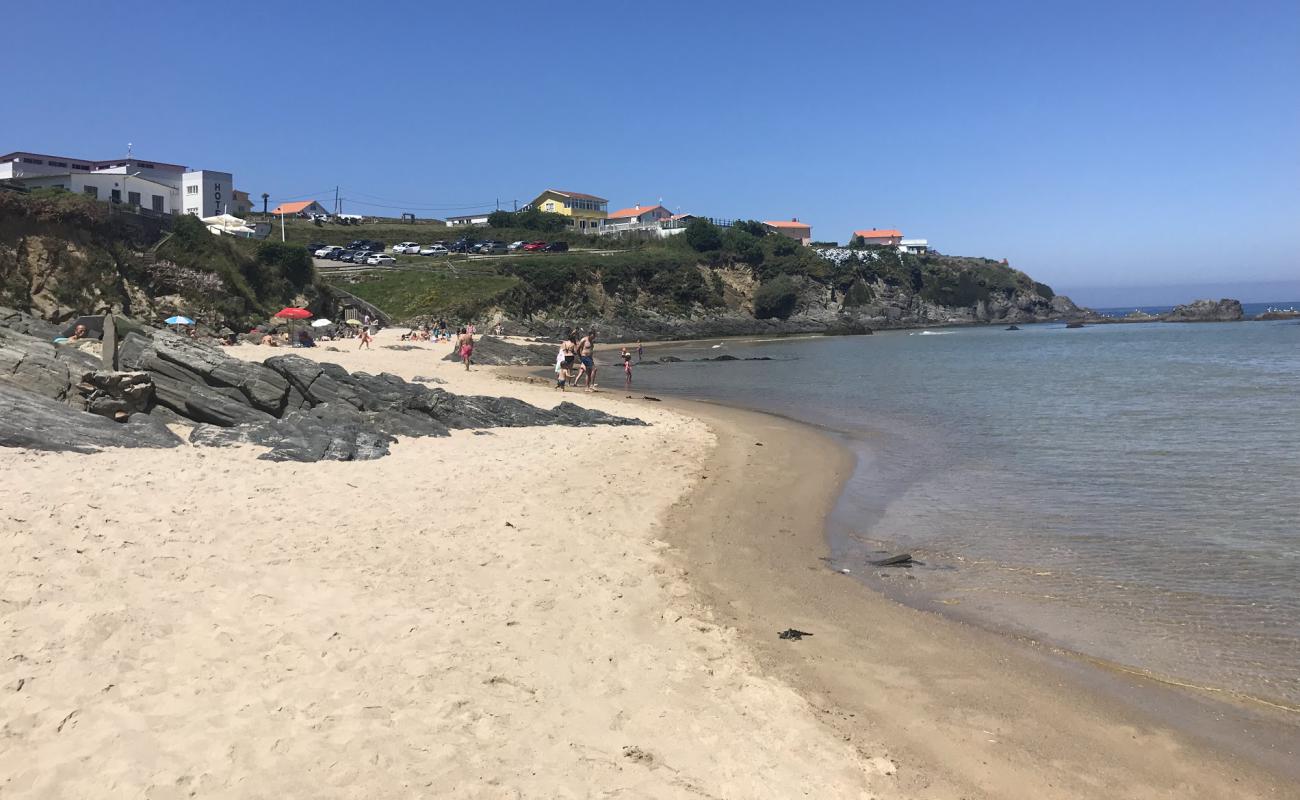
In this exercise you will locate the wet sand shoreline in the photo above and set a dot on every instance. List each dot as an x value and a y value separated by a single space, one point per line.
980 713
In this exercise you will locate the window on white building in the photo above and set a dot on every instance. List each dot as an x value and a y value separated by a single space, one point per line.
193 188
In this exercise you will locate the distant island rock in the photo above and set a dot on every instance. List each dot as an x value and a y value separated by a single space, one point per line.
1225 310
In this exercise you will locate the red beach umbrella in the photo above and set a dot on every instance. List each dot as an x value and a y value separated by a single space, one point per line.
293 313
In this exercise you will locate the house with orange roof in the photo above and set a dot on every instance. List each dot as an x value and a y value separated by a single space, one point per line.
636 216
882 238
300 208
586 212
793 228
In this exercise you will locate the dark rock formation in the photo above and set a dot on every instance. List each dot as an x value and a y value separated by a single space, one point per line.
41 423
301 409
26 324
491 351
1013 327
40 366
117 395
1207 311
201 383
1074 324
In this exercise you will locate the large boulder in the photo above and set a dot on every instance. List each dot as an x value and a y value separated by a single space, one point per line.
490 351
24 323
1225 310
41 423
40 366
200 382
117 395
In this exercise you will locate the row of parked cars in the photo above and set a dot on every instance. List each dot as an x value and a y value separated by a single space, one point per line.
483 248
371 252
361 251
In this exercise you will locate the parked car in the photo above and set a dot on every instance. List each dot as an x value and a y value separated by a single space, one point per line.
314 246
327 252
380 259
434 250
461 246
406 247
515 246
360 256
533 247
492 248
343 255
356 244
556 247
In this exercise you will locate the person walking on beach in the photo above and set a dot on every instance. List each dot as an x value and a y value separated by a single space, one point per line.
465 340
627 369
567 351
587 355
640 351
365 339
560 373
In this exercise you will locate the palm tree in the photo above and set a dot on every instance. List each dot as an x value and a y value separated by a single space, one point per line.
265 197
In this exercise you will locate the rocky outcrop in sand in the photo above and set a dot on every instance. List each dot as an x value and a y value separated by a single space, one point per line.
302 410
493 352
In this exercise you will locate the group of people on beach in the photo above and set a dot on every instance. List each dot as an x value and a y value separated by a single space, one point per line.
579 349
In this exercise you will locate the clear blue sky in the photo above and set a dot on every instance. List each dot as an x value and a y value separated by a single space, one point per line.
1100 144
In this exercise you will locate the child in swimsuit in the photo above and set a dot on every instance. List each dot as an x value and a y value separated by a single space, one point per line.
627 368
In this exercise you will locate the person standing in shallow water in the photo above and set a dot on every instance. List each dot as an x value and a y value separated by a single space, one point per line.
587 355
627 369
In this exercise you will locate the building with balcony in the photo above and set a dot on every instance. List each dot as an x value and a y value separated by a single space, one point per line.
586 212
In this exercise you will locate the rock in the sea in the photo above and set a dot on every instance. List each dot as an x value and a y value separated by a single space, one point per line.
1013 327
1225 310
494 352
1074 324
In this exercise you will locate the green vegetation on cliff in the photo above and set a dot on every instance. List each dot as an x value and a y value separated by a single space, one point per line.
64 254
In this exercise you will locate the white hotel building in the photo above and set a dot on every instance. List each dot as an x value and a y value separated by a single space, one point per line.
153 185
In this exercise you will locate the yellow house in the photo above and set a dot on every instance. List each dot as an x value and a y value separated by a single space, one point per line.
587 212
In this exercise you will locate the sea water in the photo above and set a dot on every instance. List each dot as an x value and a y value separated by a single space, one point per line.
1129 492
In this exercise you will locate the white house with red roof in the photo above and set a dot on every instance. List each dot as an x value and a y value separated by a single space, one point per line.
793 228
891 237
638 216
881 238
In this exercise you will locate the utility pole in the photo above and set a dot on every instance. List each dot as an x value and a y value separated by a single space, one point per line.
337 209
282 225
516 206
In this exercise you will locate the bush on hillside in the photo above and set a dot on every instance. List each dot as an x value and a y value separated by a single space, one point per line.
751 226
529 219
776 299
1043 290
702 235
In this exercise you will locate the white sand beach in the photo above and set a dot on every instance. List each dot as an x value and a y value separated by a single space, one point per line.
483 615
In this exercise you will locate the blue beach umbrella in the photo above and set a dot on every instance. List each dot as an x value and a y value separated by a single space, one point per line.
179 321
